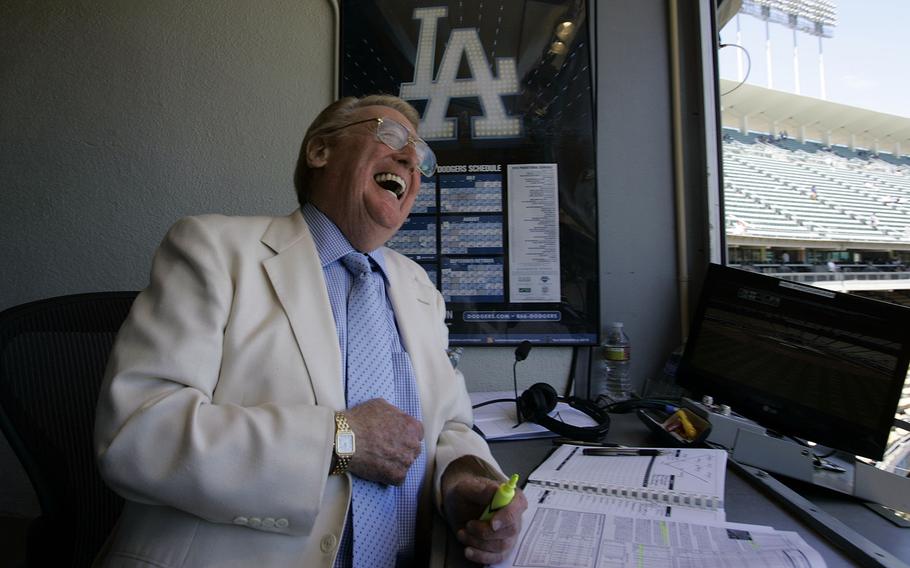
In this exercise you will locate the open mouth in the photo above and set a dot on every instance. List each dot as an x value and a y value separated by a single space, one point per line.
391 182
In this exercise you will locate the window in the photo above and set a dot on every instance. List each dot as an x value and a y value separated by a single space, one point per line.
815 143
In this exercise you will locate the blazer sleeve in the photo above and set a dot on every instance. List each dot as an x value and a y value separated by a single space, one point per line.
457 437
161 439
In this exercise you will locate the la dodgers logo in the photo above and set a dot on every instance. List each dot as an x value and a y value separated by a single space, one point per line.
494 122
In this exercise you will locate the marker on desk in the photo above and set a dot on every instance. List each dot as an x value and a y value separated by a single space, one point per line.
503 497
688 428
620 452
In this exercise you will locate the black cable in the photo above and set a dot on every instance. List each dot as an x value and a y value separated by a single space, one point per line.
624 406
748 67
494 401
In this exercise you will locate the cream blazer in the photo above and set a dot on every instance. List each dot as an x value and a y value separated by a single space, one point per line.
215 420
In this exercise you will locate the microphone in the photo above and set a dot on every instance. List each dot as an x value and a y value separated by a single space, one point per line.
521 353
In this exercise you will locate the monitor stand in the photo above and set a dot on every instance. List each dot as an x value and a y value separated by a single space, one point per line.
751 444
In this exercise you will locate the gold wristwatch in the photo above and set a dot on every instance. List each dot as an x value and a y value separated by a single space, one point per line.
344 444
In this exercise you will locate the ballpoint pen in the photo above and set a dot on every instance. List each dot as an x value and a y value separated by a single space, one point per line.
620 452
568 442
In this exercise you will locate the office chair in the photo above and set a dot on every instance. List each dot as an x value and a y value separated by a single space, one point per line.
52 358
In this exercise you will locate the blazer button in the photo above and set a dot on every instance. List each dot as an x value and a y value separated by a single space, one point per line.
281 523
268 522
328 542
255 522
240 521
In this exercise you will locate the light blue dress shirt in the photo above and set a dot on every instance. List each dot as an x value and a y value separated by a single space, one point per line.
332 246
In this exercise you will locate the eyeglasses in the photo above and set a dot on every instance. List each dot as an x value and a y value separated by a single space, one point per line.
394 135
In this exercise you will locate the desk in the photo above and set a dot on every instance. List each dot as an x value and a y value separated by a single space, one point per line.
745 502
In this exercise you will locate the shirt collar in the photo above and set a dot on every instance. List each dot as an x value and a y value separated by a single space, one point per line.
331 244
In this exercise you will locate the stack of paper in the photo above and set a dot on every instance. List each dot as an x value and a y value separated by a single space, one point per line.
643 510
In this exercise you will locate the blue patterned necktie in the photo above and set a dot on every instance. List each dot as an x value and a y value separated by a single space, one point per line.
370 375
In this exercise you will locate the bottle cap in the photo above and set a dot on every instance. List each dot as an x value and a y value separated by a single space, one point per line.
616 324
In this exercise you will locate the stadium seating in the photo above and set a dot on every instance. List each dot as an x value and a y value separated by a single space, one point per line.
784 188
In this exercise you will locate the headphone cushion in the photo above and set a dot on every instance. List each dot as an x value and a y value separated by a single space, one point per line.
538 401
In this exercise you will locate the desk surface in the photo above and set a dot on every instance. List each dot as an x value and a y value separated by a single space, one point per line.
744 501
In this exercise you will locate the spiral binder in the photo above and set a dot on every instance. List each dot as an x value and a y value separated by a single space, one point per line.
680 477
696 501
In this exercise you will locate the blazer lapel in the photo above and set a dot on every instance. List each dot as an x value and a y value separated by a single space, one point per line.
413 305
296 275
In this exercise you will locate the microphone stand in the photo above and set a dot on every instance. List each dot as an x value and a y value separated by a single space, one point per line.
521 353
515 388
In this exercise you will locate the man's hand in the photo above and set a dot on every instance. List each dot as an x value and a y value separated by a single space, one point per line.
387 441
466 491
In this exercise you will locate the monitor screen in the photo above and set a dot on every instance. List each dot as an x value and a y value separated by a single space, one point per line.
803 361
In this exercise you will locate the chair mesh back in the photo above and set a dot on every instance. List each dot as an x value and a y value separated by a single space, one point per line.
52 359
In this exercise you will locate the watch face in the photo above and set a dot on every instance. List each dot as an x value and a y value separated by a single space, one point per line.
344 443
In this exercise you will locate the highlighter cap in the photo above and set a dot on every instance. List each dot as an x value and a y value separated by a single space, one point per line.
503 496
505 493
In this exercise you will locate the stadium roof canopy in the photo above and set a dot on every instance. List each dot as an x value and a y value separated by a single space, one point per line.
758 109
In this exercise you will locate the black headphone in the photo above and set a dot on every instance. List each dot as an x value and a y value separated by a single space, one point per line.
536 403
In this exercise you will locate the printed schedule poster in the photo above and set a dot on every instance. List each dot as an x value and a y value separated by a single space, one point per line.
533 233
506 227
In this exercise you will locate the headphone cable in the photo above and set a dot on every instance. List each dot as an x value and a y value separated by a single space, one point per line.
489 402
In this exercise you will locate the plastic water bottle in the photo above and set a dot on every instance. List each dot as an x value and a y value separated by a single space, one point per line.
615 359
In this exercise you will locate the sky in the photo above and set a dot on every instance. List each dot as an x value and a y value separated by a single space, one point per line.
866 62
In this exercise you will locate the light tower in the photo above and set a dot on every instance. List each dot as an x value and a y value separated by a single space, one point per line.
814 17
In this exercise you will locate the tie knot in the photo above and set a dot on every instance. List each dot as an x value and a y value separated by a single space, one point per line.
357 263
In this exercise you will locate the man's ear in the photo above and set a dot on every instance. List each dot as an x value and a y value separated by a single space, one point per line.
317 152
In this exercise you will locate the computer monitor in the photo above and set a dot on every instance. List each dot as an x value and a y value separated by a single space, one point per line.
804 361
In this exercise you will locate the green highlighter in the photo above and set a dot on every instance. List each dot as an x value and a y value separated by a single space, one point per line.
503 497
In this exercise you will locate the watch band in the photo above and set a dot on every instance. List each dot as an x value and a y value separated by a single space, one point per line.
342 459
